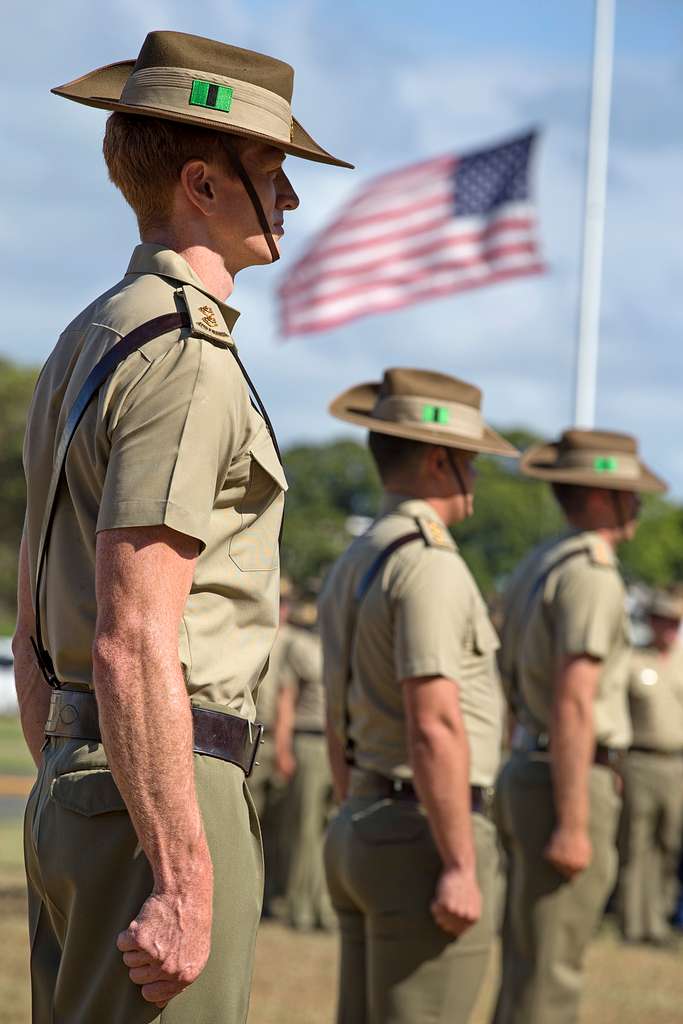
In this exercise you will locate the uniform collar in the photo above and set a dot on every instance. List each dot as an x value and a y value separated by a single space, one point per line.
404 505
430 523
156 259
602 553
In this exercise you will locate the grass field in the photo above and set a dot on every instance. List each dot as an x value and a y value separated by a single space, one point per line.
295 974
14 756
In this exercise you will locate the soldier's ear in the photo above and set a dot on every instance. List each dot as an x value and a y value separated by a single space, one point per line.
436 460
197 186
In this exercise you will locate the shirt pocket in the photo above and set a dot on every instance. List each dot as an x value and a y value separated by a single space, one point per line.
254 547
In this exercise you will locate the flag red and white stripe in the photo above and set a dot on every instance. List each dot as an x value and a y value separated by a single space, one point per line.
428 230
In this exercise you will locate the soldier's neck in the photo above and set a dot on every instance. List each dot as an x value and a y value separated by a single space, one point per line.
208 265
210 269
611 535
442 506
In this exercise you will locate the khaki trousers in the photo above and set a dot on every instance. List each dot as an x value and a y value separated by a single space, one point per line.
308 805
269 793
651 835
397 966
87 879
549 920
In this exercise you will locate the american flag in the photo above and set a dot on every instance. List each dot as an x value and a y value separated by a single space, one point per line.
430 229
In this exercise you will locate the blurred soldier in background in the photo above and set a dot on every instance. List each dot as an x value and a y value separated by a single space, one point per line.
414 715
267 784
301 756
652 819
565 661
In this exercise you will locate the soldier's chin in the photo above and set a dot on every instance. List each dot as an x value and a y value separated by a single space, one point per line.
630 529
469 506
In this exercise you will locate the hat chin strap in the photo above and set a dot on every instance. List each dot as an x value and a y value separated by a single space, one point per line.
616 502
457 471
241 173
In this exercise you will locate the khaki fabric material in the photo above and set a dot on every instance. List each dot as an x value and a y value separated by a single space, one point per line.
422 405
309 802
397 966
87 879
160 84
274 679
651 836
549 921
171 439
423 615
580 610
591 458
251 106
268 788
667 604
655 698
269 793
303 672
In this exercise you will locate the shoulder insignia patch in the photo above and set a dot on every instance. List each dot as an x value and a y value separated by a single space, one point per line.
435 534
207 319
601 552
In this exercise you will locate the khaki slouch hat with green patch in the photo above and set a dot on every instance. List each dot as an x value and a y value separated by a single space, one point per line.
422 405
666 604
206 83
592 458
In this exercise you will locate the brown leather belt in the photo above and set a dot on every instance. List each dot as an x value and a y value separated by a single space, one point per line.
403 789
637 749
73 715
526 742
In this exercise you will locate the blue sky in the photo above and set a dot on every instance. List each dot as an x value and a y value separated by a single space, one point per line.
384 84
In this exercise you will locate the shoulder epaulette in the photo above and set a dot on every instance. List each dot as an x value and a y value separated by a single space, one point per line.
205 316
600 553
435 534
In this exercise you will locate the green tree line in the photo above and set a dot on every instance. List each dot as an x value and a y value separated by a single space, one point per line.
333 481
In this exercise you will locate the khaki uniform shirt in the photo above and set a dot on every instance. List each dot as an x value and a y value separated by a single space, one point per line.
303 672
656 699
171 438
422 616
578 610
272 682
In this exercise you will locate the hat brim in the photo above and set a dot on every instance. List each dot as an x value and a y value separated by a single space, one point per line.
540 462
102 88
356 405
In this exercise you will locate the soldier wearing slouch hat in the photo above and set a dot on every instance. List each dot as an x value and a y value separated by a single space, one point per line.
414 714
651 831
565 659
149 564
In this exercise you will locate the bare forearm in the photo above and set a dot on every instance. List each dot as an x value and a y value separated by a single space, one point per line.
338 763
284 721
146 727
572 746
439 757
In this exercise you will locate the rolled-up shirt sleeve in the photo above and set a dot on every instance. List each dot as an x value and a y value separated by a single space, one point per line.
589 611
431 608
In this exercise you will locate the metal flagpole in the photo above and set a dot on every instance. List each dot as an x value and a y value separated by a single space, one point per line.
594 215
